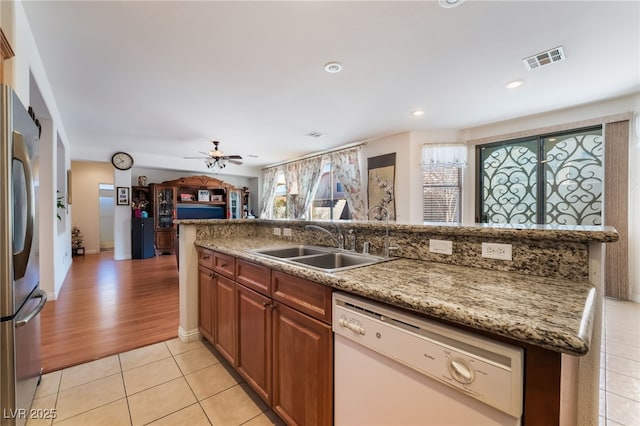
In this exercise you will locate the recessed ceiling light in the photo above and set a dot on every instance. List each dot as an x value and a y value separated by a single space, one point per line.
333 67
514 84
448 4
252 156
315 134
417 113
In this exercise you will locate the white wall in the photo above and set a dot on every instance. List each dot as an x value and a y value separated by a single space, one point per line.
122 218
401 145
161 175
25 72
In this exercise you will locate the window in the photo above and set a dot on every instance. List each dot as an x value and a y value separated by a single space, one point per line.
280 198
441 194
548 179
329 201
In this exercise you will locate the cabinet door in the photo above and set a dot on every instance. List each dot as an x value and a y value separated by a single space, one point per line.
206 282
254 340
164 204
224 318
165 241
302 368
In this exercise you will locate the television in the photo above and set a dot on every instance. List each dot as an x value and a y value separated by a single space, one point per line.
199 211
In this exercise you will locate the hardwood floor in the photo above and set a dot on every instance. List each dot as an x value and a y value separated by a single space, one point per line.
106 307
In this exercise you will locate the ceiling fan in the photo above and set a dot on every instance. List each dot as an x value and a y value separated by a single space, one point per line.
215 159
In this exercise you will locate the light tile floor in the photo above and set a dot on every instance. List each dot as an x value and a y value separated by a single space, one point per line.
166 384
173 383
620 364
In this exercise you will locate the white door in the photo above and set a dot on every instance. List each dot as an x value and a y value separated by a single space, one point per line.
107 209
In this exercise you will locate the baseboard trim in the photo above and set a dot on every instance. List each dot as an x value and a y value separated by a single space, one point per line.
187 336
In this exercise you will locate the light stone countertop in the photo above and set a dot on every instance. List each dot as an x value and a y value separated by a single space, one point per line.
551 313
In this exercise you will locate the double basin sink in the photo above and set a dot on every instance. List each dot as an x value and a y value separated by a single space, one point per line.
325 259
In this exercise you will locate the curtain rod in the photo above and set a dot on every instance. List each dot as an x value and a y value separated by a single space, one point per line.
317 154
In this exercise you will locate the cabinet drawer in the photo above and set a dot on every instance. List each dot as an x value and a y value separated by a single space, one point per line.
306 296
205 258
256 277
224 265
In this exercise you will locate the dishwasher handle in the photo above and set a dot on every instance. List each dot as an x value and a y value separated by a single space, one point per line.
38 294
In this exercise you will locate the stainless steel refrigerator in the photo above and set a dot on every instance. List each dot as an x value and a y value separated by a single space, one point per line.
21 299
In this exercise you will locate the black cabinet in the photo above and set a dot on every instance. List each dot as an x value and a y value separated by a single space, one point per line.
142 237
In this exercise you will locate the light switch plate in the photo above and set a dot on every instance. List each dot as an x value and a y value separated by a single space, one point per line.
496 251
286 232
276 231
441 246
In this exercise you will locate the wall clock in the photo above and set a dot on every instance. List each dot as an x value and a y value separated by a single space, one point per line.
122 161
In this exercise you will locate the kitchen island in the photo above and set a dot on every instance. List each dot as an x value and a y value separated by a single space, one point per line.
547 315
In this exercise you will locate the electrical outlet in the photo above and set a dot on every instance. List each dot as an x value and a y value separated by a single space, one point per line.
276 231
496 251
286 232
441 246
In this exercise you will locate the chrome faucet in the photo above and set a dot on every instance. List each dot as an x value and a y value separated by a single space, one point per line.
387 247
339 241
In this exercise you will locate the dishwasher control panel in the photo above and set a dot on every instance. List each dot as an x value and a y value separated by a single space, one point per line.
487 370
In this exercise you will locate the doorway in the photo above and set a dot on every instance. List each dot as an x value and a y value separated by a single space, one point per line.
106 216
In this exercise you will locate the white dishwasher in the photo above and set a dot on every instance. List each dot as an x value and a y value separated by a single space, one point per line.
392 368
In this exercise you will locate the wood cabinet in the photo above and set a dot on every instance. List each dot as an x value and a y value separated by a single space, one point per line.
224 317
279 339
206 281
254 340
192 197
216 306
302 368
164 202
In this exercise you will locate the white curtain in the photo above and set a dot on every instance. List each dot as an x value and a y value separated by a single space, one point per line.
444 155
269 177
346 166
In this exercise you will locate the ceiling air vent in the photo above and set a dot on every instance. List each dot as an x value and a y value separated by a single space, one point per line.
314 134
544 58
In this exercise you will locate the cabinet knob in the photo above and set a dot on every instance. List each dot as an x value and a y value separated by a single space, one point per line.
266 304
205 257
223 265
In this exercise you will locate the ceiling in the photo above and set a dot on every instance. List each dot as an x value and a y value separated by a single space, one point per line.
160 79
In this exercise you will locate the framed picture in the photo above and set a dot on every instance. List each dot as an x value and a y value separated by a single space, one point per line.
203 195
122 196
380 186
216 198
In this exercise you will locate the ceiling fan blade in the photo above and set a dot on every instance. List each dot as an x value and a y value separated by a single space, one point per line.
239 163
233 157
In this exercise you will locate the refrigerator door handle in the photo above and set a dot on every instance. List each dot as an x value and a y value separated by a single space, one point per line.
21 259
37 294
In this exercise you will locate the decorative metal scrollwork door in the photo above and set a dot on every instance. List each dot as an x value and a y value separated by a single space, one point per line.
552 180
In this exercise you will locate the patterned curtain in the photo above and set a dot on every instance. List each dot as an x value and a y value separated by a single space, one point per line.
308 178
269 177
346 165
291 180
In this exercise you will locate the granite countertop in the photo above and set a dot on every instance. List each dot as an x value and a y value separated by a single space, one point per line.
551 313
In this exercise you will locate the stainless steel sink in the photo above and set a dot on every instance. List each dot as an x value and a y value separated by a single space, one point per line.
324 259
337 260
288 252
